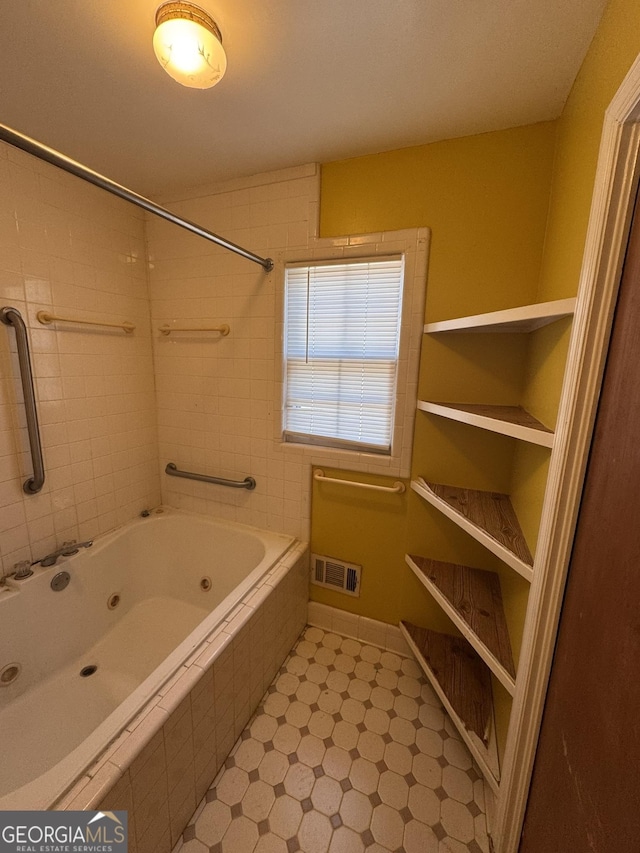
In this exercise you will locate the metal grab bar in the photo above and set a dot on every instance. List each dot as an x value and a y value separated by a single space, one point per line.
12 317
224 329
397 489
50 155
247 483
46 319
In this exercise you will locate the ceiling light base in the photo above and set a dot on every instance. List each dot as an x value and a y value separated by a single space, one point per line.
187 11
188 45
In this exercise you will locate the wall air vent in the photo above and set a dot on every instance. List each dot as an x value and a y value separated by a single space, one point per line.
335 574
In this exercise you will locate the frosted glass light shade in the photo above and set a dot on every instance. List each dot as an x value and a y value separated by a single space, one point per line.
188 45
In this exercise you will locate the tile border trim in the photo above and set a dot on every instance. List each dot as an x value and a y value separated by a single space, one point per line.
369 631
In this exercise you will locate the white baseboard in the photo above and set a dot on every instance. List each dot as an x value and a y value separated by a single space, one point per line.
369 631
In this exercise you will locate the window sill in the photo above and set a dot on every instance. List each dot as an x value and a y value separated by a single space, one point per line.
357 460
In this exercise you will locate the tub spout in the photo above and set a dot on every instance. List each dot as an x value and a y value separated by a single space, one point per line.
66 550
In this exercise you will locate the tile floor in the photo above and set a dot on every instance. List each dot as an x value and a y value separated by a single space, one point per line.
349 751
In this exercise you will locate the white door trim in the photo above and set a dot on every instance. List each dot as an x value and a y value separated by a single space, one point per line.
611 208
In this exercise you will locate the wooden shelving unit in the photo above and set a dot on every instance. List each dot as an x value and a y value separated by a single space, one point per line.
487 516
460 668
463 685
473 600
513 421
524 319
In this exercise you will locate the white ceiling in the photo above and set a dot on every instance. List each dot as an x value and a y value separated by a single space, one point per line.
307 80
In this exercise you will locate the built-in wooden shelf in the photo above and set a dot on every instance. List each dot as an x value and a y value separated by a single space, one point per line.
463 685
513 421
472 598
487 516
524 319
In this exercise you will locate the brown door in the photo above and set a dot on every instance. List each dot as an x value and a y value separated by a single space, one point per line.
585 794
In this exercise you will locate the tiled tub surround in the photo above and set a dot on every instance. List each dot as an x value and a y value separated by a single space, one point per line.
215 395
165 629
219 398
160 768
106 397
71 249
350 751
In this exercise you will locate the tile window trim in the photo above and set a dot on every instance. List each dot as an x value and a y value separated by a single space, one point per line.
413 243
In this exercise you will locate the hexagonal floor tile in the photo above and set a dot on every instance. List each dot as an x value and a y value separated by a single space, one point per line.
311 750
371 746
285 817
213 822
387 826
273 767
232 786
350 752
242 834
299 781
419 838
345 840
457 821
457 784
249 754
364 776
332 641
326 795
258 800
356 810
337 762
393 790
315 833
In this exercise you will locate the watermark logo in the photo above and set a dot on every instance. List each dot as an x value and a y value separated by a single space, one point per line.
63 832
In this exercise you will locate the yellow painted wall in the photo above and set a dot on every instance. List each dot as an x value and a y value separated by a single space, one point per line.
485 198
508 227
612 52
369 529
508 213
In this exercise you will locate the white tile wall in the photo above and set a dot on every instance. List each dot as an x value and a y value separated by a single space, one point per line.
219 397
215 394
70 248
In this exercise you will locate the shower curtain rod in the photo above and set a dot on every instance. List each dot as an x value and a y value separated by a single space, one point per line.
50 155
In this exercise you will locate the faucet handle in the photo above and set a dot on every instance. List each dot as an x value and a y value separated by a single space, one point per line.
69 548
22 570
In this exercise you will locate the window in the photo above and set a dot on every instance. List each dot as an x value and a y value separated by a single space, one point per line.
342 331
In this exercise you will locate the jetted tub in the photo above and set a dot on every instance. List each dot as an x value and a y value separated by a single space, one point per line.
141 604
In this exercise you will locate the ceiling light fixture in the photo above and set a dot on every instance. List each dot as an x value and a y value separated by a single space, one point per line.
188 45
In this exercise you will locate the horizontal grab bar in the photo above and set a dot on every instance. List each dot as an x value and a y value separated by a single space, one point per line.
397 489
46 319
224 329
173 471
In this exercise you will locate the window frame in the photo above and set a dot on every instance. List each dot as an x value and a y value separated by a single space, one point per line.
414 244
333 441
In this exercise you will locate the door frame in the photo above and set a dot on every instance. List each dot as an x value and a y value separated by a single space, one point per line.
616 182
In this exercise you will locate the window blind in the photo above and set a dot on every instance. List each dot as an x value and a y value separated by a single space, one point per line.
342 330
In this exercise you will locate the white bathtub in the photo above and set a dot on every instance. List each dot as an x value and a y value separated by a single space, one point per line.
176 576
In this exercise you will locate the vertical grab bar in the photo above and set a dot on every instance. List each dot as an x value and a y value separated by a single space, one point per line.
12 317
